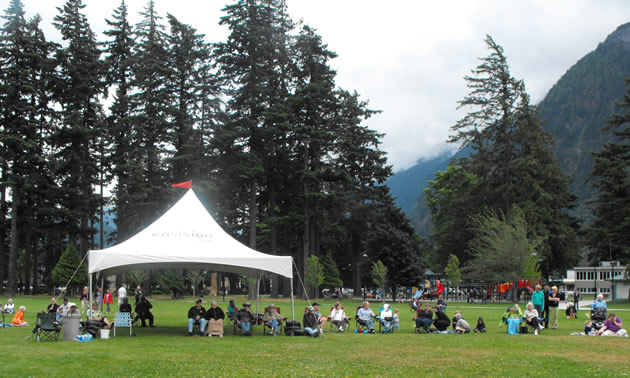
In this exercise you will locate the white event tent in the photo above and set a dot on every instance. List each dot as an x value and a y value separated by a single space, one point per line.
187 236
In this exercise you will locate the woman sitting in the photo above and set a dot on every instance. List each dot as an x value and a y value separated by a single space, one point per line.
96 320
338 317
532 318
18 319
231 310
9 308
386 318
513 318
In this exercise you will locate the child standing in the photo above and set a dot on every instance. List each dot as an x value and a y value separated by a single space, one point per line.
396 319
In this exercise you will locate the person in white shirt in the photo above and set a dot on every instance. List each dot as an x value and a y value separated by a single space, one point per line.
122 293
9 308
386 318
338 317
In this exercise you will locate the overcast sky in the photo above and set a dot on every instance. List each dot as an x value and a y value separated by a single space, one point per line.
408 58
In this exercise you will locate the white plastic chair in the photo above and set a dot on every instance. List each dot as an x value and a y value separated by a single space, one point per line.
123 320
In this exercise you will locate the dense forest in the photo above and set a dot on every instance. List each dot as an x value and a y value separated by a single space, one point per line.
279 153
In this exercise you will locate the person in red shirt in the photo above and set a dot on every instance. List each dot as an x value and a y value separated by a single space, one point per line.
108 299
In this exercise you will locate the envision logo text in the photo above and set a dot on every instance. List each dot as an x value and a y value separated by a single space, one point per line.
179 234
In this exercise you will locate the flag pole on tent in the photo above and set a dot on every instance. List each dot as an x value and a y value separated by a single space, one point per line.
185 185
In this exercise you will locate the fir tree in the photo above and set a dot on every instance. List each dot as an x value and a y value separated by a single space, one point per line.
513 164
331 273
150 103
608 234
67 264
78 89
124 155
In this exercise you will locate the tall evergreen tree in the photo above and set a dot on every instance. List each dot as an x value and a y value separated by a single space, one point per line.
16 129
188 82
608 235
250 66
150 120
513 164
24 100
126 164
80 83
491 126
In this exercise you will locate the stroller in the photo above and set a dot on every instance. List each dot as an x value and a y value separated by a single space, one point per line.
598 317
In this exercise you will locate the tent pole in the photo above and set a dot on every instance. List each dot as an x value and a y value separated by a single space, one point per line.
90 295
102 288
292 304
257 294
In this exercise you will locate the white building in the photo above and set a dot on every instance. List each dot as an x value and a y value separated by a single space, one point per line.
607 278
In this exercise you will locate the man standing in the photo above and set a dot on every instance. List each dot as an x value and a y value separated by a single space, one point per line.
196 314
137 294
122 293
576 301
546 292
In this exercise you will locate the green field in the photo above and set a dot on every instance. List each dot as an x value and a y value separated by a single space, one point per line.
167 351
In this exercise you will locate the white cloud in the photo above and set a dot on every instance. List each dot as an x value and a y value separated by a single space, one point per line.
408 57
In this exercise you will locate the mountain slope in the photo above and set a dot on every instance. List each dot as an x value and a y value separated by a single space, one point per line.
574 110
407 187
576 107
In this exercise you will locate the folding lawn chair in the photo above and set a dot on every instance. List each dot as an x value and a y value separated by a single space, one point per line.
381 328
280 326
360 326
123 320
332 326
46 327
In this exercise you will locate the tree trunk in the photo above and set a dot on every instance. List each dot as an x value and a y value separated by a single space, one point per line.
83 236
253 209
13 250
356 264
27 259
3 249
35 271
273 236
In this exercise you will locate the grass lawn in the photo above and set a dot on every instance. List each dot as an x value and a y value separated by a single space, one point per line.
167 351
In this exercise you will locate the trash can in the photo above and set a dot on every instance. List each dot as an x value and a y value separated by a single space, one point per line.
71 326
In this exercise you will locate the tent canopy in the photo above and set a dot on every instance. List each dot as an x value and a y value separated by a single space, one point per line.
186 236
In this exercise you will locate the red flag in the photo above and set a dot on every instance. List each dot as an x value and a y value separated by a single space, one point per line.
185 185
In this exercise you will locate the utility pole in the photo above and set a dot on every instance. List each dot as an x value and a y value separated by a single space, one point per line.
612 270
